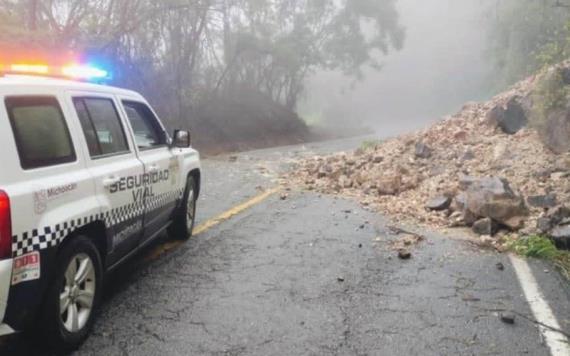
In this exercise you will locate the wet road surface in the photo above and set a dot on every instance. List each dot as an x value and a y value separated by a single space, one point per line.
312 275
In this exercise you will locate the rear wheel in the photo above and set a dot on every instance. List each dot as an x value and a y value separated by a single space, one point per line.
185 216
73 297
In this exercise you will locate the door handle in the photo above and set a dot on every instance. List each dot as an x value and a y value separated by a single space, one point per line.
110 181
153 169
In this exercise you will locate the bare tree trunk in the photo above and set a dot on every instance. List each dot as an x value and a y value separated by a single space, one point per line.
33 15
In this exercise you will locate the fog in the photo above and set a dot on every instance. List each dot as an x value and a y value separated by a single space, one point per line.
240 79
442 65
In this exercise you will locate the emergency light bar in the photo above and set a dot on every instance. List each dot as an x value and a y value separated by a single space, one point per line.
84 72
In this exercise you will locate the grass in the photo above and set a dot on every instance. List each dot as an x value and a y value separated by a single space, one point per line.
543 248
370 144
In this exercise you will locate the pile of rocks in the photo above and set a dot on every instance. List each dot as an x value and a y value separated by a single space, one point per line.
483 168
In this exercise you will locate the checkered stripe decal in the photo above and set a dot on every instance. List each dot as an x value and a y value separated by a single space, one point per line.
161 200
51 236
123 213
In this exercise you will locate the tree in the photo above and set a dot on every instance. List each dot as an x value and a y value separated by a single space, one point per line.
527 35
181 53
275 46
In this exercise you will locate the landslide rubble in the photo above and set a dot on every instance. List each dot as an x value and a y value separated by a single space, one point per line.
485 167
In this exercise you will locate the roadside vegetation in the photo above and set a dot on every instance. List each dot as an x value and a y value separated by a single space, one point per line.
527 36
370 144
543 248
548 114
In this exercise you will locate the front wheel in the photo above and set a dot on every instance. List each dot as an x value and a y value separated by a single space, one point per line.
73 297
185 216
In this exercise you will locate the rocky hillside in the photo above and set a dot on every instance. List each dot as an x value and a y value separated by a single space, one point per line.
493 166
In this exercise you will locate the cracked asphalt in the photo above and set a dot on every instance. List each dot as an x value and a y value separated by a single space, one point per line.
312 275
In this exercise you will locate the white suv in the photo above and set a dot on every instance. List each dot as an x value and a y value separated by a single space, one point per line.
88 176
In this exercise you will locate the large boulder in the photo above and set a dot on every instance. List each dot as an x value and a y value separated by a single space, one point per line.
556 225
422 150
561 236
542 201
485 226
390 184
459 204
555 132
558 214
438 203
544 224
492 197
511 117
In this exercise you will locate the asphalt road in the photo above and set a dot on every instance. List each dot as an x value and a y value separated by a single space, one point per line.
312 275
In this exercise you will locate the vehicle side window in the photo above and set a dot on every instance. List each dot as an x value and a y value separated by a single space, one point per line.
101 125
147 130
41 133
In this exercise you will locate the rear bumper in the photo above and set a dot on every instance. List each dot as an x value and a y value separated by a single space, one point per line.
5 282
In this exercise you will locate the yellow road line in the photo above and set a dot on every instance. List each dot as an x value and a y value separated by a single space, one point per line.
234 211
207 225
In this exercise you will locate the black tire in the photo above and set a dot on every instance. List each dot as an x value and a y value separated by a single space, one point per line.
53 327
185 216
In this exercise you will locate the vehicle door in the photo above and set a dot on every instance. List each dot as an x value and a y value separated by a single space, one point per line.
115 168
161 166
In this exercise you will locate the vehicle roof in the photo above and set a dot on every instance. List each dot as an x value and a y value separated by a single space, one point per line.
47 82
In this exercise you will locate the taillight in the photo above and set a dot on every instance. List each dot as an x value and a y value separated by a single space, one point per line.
5 227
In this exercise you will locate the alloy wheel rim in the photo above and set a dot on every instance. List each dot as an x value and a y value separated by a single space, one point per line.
78 293
190 210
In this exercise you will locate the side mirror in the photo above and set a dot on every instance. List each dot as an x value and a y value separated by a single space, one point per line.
181 139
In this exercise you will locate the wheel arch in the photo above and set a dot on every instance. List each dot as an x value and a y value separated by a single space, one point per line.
96 232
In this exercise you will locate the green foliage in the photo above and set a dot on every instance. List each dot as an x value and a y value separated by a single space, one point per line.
525 36
535 246
370 144
557 50
543 248
288 40
549 95
349 46
549 107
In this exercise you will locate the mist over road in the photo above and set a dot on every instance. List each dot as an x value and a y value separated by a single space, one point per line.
443 64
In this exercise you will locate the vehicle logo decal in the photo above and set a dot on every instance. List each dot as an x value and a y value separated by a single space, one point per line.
57 191
43 196
40 201
128 231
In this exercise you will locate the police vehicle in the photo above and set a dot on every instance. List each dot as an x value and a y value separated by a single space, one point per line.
88 176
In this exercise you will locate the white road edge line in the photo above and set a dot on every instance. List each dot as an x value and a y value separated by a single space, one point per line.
556 342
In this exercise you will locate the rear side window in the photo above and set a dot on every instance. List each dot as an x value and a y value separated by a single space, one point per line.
148 132
41 133
102 126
